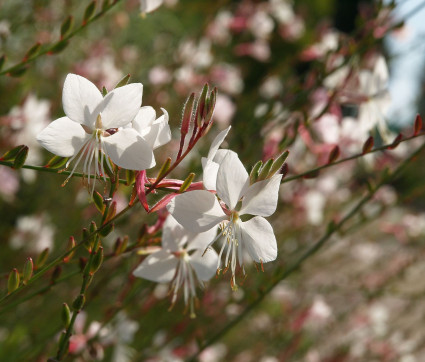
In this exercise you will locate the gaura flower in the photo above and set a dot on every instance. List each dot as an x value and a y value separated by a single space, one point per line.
147 6
180 261
200 210
94 128
155 131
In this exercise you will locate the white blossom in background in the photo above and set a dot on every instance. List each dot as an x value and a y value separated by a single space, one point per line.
26 122
201 210
33 233
374 87
94 128
181 262
147 6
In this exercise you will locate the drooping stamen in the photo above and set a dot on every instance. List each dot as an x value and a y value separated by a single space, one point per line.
82 151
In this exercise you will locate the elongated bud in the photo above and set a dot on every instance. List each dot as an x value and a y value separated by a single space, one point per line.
41 259
253 176
123 81
78 303
2 60
65 315
368 145
56 274
93 227
396 142
264 171
130 177
87 238
186 183
58 47
105 231
11 154
333 155
20 158
89 12
187 115
210 108
13 281
70 246
112 211
278 163
120 245
200 109
27 271
164 168
66 26
418 125
98 201
56 162
97 261
32 51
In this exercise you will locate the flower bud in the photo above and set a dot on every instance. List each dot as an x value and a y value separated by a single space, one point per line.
27 271
56 162
20 158
32 52
111 212
41 259
89 12
164 168
278 163
334 154
11 154
264 171
106 229
186 183
78 303
66 26
98 201
97 261
396 142
123 81
56 274
130 177
368 145
254 172
66 315
187 115
13 281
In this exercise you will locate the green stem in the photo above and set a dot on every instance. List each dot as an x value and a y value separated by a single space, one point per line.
306 255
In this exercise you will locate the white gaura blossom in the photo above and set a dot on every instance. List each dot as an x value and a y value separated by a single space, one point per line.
95 128
180 261
201 210
147 6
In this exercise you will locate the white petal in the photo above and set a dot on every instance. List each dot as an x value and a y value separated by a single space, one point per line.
259 240
81 100
147 6
220 154
174 235
121 105
232 179
217 142
210 169
127 149
144 119
205 266
63 137
197 210
202 240
159 133
158 267
261 198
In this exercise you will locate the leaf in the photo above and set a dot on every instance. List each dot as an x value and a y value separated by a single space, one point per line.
334 154
123 81
368 145
89 12
32 52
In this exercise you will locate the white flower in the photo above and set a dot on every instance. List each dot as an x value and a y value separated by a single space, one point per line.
93 127
155 131
180 261
200 210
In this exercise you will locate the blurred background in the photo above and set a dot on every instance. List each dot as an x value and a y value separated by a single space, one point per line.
306 76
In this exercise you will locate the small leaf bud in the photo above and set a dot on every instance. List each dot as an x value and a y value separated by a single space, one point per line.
66 315
78 303
27 271
97 261
41 259
186 183
255 171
